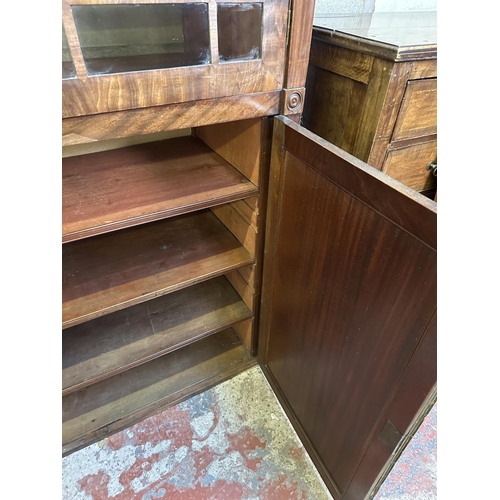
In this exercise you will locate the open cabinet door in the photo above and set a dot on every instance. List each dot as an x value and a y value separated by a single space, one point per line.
348 318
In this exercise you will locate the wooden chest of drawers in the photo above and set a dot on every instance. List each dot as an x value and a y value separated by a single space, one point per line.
377 101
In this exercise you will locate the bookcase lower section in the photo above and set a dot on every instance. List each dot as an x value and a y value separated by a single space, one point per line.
97 411
162 262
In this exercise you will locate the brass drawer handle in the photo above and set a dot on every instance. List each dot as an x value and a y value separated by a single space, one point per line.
434 167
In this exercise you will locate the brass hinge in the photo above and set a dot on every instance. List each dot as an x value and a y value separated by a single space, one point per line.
288 23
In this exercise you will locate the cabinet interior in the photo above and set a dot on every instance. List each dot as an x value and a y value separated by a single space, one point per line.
162 263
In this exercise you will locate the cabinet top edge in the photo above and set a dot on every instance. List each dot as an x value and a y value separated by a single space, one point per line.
365 168
394 36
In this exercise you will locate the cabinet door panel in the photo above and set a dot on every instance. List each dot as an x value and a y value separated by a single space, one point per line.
349 290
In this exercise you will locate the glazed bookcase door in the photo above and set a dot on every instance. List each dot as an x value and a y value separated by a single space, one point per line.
119 54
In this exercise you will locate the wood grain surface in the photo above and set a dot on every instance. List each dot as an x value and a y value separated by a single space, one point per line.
140 89
346 95
114 404
418 115
110 272
350 295
301 24
348 63
238 143
409 164
121 188
156 119
417 385
389 113
246 144
423 69
243 231
367 184
334 107
109 345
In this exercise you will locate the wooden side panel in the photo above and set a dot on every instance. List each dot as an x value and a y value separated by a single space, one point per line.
244 233
250 275
375 97
243 289
349 63
345 96
334 107
350 294
370 186
238 143
246 145
245 331
114 404
419 378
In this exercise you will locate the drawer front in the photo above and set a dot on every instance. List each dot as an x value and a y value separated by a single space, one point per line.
409 165
418 114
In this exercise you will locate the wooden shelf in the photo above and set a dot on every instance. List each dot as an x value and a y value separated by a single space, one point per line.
109 345
120 269
99 410
116 189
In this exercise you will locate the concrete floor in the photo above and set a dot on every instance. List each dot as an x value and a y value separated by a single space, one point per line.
233 442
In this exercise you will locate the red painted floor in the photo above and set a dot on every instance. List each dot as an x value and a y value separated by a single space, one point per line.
233 442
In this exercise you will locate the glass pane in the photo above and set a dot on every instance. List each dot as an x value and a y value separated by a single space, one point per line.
240 31
68 68
121 38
